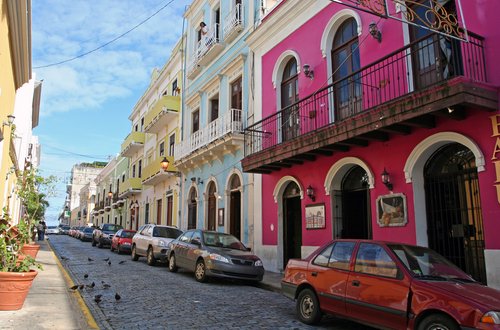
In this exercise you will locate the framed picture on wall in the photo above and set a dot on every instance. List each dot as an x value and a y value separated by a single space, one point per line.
315 216
220 217
391 210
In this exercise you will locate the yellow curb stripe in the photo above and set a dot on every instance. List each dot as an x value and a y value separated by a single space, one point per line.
81 303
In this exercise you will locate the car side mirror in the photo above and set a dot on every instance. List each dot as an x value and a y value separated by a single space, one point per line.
196 241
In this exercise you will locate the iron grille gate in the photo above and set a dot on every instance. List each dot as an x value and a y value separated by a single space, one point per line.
454 220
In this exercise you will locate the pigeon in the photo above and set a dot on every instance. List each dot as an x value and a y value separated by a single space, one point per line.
109 263
107 259
82 286
64 258
91 286
117 297
97 298
90 259
106 285
74 287
122 262
86 276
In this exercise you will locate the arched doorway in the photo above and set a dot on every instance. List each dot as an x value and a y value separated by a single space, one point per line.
345 61
352 215
235 207
192 209
453 208
212 207
292 223
290 121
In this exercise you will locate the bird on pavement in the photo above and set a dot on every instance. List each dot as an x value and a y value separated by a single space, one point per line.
122 262
91 286
106 285
64 258
86 276
109 263
117 296
107 259
97 298
81 286
90 259
74 287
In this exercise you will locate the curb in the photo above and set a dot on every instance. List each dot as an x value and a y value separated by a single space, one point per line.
89 321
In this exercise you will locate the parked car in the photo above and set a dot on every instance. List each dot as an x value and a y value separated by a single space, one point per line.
79 232
122 241
210 253
151 241
52 230
102 235
64 230
389 285
86 234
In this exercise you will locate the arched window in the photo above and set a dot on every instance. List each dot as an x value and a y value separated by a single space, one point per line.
346 61
289 96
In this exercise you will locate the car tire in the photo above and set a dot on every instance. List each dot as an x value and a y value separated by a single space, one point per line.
200 271
134 255
437 321
93 242
150 258
307 307
172 266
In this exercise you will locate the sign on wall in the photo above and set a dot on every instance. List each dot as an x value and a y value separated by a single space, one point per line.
315 216
391 210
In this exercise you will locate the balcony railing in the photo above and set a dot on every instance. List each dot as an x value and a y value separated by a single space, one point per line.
423 63
233 23
231 122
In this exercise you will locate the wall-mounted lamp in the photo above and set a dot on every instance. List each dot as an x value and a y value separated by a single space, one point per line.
310 193
196 180
375 32
386 179
10 120
110 194
307 71
164 163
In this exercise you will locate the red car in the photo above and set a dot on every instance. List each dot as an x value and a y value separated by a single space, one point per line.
390 286
122 241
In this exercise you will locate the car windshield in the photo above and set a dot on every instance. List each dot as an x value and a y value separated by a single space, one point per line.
88 230
128 234
114 228
52 227
222 240
427 264
166 232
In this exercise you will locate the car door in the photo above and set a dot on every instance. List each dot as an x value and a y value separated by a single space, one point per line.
142 240
329 273
193 250
181 249
377 291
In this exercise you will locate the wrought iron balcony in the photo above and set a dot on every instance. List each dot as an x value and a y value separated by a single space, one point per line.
133 143
405 89
233 23
223 133
161 113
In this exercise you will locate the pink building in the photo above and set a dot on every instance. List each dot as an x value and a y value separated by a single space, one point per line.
339 110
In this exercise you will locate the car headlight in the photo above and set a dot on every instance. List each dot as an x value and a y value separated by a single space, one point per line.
161 243
258 263
218 257
491 318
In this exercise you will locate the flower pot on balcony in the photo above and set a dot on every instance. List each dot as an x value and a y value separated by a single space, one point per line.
30 250
14 288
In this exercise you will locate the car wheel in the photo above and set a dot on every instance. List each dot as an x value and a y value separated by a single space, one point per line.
438 322
93 242
308 307
172 267
200 273
134 255
150 257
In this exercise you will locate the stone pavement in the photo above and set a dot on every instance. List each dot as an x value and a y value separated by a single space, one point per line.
51 305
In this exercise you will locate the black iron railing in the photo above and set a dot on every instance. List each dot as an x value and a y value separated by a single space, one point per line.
422 64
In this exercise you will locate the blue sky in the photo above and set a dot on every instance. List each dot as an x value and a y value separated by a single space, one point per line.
86 102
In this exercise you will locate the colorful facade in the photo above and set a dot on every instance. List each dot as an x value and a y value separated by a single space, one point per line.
390 135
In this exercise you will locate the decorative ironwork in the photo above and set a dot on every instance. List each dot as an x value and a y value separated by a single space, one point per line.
376 7
432 15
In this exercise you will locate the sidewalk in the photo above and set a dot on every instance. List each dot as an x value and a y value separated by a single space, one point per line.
49 304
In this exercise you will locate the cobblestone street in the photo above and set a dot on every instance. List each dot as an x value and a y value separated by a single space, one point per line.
154 298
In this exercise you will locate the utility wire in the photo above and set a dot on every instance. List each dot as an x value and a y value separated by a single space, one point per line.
106 157
107 43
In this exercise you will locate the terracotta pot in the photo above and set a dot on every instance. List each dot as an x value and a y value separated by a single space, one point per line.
14 288
30 250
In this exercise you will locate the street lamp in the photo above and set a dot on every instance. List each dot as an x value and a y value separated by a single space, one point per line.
164 163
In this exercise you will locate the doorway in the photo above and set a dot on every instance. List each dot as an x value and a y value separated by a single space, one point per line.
235 207
453 209
212 207
292 223
192 209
